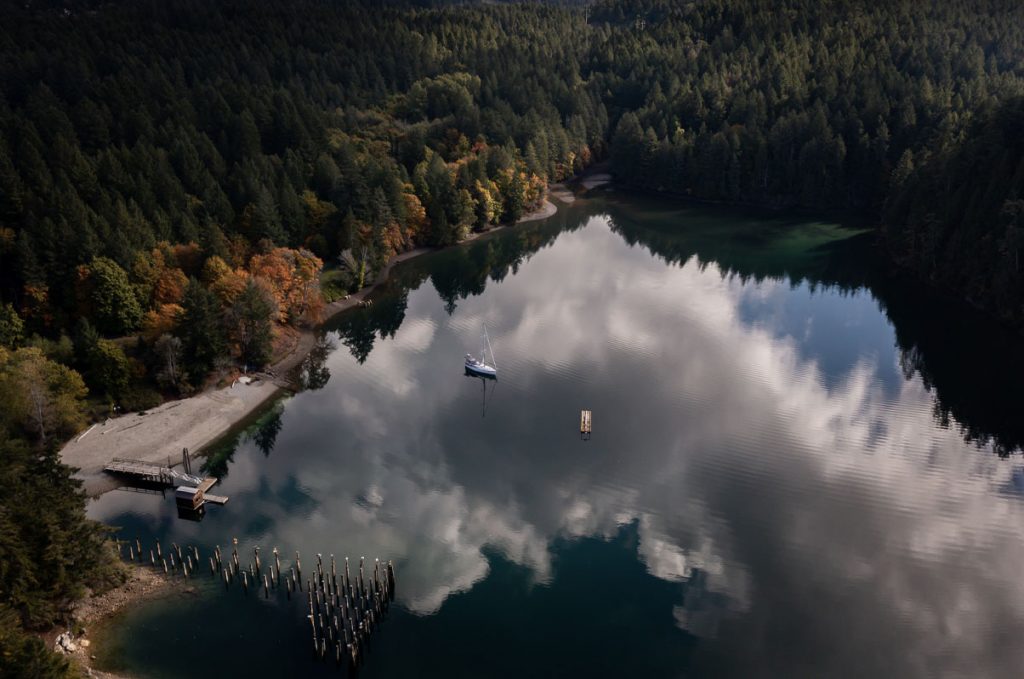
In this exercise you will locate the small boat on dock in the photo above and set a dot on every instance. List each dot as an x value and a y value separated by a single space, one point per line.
482 367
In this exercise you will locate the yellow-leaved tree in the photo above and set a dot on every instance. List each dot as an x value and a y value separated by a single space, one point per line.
40 396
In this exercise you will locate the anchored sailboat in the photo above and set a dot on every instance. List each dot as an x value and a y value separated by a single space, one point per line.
482 366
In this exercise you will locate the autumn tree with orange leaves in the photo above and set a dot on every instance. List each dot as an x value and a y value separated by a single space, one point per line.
294 278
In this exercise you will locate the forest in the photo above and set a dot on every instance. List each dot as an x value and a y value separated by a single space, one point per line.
183 184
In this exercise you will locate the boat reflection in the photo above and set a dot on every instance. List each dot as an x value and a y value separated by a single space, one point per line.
485 380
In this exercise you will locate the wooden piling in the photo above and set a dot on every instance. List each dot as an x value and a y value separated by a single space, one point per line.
344 612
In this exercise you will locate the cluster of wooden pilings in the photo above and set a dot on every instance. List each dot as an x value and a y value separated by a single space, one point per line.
344 614
177 560
344 611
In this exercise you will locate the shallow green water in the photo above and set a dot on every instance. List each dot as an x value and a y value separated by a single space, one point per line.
798 468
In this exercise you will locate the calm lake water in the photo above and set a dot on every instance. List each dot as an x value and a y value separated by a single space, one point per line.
798 467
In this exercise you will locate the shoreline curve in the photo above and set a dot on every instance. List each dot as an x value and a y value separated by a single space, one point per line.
158 435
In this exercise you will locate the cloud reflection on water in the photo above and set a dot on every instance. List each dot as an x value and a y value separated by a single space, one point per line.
811 524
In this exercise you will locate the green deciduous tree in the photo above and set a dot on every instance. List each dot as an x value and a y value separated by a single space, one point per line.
40 396
115 305
12 329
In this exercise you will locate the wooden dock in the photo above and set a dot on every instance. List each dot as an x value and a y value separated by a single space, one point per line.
186 484
207 484
586 420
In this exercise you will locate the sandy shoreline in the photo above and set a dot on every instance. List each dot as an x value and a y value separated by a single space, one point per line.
158 435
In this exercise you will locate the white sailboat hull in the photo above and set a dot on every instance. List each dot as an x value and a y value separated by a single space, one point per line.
479 368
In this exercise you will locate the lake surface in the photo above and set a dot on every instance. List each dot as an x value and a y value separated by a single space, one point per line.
799 467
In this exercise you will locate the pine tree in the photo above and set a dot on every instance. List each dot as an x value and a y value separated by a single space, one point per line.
250 317
202 331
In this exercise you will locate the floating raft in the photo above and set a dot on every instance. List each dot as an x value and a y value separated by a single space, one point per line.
586 419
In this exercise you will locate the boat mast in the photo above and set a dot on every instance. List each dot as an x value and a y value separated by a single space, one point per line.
494 364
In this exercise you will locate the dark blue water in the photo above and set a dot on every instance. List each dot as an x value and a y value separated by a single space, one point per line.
799 467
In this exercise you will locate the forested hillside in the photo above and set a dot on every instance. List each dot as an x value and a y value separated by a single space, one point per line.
144 145
182 170
175 174
957 219
800 103
902 111
130 129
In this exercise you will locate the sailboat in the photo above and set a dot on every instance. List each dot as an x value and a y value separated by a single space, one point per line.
481 366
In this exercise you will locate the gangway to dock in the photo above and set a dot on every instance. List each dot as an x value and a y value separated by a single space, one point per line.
151 473
190 490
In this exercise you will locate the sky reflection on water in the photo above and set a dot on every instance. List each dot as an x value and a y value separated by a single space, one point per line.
795 505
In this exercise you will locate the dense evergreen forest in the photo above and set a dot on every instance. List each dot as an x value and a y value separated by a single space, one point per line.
176 175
